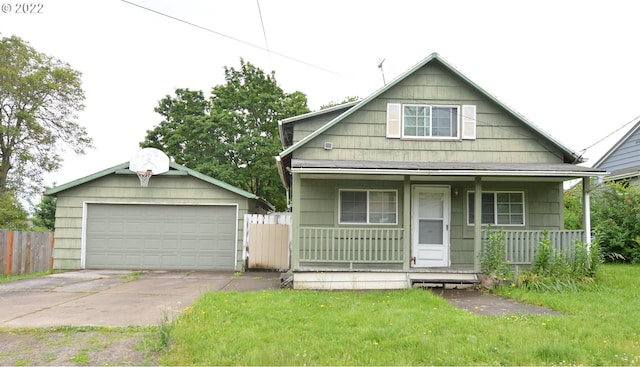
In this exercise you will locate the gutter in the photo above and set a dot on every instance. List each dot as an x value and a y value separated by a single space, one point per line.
449 172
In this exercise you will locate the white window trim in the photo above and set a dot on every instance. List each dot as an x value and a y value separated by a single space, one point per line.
412 137
495 208
395 192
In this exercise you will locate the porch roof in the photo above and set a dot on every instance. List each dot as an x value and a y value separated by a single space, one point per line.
445 168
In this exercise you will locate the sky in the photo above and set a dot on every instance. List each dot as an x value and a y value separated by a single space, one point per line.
569 67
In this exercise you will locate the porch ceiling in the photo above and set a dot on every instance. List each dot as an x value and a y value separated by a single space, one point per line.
559 170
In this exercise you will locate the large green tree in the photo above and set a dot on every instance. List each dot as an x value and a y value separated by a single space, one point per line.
615 211
12 214
232 135
44 215
39 98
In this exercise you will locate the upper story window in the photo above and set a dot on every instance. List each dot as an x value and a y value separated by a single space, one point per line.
426 121
422 121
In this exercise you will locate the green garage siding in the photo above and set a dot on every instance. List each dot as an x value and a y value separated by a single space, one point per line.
142 236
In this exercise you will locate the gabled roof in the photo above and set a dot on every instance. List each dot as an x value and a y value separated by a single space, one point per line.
285 138
620 143
434 57
175 169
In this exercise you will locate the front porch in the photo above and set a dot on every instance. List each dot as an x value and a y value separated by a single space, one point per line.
370 258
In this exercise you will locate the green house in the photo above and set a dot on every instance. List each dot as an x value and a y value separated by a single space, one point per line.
384 190
183 220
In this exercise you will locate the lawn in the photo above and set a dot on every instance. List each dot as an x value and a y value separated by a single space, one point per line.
409 327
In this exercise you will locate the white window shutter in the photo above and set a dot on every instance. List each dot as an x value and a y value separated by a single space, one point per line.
468 122
393 120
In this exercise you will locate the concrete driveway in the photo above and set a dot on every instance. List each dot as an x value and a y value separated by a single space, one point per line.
115 297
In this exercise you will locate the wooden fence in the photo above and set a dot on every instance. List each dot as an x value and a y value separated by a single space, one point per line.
266 241
25 252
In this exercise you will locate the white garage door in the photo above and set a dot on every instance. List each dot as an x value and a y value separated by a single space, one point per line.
137 236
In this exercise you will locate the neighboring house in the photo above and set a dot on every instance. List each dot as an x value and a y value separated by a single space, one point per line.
383 190
622 161
182 220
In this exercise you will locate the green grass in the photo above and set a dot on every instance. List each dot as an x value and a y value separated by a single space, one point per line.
409 327
10 278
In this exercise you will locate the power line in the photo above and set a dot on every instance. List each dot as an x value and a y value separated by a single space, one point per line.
264 33
237 39
615 131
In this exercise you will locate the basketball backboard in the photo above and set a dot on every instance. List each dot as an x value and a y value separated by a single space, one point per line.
149 159
147 162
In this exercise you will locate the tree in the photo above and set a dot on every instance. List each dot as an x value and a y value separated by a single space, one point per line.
232 136
615 209
336 103
573 218
44 216
39 99
12 214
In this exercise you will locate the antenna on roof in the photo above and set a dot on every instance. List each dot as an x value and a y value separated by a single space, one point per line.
382 71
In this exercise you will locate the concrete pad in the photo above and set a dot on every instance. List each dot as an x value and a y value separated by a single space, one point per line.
90 286
254 281
18 304
114 297
106 310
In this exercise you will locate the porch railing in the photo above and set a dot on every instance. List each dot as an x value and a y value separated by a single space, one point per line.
352 245
385 245
521 245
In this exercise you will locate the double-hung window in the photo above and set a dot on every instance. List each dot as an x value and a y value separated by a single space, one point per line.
368 207
426 121
498 208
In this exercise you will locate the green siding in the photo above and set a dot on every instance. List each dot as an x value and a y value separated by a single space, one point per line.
305 127
361 136
319 198
117 188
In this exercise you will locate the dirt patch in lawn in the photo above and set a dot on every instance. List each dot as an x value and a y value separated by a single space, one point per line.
75 347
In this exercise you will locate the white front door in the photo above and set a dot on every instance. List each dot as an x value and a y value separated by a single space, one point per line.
430 226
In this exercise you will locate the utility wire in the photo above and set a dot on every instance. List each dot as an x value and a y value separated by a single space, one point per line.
264 33
615 131
237 40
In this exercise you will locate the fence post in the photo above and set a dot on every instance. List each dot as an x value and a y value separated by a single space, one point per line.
8 269
53 238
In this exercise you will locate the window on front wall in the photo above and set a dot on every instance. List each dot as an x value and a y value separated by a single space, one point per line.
498 208
425 121
368 207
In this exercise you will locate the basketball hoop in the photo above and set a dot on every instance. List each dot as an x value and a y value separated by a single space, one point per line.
147 162
144 177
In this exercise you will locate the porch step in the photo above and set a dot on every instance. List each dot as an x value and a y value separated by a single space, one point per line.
442 279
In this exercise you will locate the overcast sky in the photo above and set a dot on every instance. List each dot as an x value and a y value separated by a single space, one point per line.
569 67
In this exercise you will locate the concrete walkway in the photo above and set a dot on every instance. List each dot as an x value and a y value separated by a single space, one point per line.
477 302
115 298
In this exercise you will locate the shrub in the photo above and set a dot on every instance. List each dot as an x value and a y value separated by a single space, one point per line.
615 210
492 260
562 270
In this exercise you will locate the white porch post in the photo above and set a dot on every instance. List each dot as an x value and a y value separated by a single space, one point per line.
477 223
406 220
295 221
586 210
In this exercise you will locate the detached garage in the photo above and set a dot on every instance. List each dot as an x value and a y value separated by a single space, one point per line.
182 220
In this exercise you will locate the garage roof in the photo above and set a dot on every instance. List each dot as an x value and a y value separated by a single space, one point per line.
175 169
